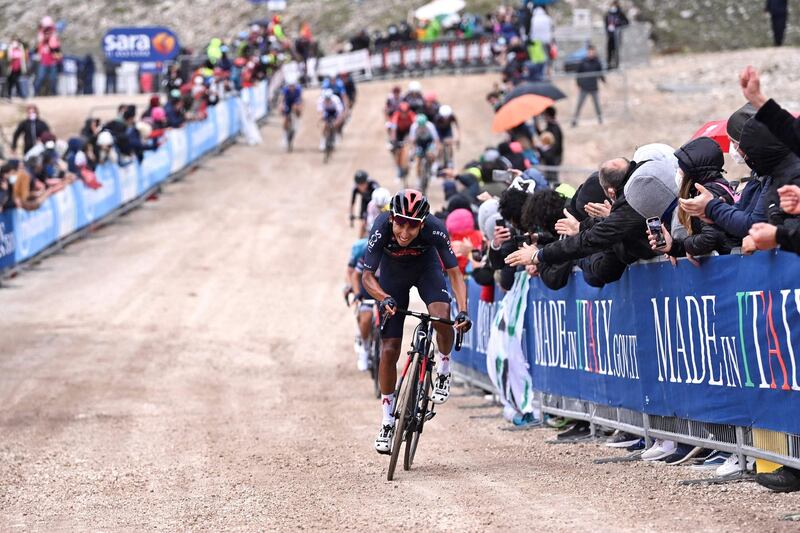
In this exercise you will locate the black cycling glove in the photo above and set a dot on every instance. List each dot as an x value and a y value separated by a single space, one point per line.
463 317
388 302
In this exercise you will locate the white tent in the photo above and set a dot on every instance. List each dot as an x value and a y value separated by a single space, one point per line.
439 7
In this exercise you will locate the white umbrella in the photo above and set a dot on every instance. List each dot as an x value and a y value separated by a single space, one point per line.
439 7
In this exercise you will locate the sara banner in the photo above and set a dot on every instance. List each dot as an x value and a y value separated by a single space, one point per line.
717 343
145 45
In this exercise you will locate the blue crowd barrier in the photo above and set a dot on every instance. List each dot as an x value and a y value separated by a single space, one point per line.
719 343
23 234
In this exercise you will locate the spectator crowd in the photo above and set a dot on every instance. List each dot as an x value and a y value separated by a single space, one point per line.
40 164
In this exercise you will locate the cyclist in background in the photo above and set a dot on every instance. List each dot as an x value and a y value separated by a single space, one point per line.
448 130
292 98
426 142
331 112
401 122
355 266
414 96
349 88
363 188
410 248
430 106
393 101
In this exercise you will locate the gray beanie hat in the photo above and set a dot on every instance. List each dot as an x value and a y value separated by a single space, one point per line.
652 188
487 214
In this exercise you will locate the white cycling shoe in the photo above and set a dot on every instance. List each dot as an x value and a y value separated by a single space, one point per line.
383 442
441 388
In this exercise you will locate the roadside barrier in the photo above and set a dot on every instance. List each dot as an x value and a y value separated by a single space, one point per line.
707 356
24 235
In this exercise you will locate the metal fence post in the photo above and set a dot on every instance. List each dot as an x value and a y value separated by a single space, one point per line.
739 450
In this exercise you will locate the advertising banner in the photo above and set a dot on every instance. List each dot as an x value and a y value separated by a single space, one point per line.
7 240
147 44
34 230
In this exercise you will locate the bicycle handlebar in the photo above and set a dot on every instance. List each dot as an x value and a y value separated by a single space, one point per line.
427 317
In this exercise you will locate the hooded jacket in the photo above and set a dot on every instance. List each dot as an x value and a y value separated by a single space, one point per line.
768 156
737 219
702 160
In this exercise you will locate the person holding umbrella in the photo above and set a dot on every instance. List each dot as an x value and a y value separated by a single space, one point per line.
587 83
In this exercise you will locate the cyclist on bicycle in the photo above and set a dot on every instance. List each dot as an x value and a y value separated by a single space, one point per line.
363 188
414 96
448 130
430 106
292 96
402 120
426 141
381 198
410 249
355 267
331 112
393 101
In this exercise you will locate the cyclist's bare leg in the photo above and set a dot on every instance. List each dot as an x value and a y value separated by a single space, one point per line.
387 375
364 323
445 335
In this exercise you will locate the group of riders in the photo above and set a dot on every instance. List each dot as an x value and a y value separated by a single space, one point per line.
401 245
418 127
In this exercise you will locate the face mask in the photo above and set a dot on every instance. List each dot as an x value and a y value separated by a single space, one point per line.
32 116
735 155
12 179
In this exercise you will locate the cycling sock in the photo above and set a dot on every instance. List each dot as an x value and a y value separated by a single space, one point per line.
387 402
444 364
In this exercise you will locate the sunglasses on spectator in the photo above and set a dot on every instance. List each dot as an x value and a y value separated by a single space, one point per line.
402 221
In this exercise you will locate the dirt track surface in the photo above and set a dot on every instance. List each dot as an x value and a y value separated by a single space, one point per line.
191 368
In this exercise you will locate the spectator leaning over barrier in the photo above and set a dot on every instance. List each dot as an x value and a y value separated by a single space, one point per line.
503 244
779 121
701 161
29 129
587 83
752 204
604 246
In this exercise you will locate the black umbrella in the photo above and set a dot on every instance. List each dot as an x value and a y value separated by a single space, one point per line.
542 88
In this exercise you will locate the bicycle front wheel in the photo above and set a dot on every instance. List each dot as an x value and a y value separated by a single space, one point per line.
405 410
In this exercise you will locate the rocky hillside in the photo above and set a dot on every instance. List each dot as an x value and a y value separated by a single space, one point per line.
678 25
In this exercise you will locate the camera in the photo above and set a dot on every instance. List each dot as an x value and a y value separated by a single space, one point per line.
520 240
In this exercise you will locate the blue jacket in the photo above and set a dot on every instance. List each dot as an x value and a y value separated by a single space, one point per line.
751 208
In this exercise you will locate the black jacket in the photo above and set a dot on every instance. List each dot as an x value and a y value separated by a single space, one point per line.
777 8
624 232
30 130
788 238
589 83
781 124
768 156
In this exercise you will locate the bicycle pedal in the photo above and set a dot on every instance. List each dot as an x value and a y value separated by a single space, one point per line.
429 415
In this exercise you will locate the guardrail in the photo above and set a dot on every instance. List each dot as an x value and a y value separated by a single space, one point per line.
704 356
27 235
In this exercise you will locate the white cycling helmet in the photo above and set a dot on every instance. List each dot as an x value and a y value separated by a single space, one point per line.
381 196
414 87
291 80
446 111
327 93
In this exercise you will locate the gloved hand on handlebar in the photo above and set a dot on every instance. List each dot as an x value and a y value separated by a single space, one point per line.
463 323
388 306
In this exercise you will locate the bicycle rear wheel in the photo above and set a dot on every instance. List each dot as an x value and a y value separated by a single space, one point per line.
404 409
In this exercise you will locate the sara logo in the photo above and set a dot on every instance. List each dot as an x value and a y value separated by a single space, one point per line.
140 44
164 43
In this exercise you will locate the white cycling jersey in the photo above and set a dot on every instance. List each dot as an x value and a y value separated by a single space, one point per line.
337 104
428 133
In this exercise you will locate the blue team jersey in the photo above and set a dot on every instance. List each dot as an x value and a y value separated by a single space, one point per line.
382 244
291 96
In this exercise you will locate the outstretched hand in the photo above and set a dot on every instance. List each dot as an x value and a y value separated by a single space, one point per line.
569 225
696 207
751 87
790 199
